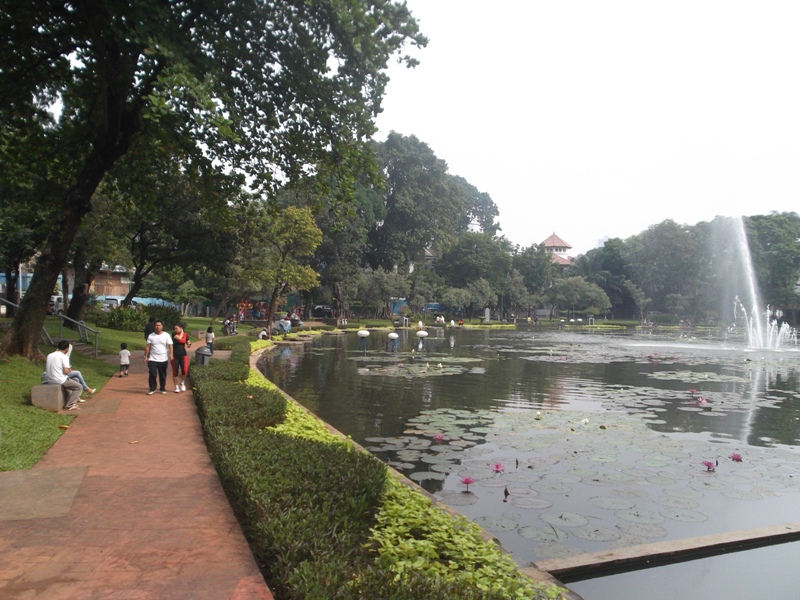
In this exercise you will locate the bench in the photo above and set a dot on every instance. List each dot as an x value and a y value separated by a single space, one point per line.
48 396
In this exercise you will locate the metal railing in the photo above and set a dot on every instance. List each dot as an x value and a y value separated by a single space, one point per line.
85 333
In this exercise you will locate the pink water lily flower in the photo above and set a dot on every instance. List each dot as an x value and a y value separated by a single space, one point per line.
438 438
466 481
692 391
497 467
710 466
736 457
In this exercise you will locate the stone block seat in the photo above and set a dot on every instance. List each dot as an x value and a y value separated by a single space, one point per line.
48 396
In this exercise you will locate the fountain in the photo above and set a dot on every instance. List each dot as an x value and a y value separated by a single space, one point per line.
764 329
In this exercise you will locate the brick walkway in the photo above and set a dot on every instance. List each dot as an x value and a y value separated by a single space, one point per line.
125 505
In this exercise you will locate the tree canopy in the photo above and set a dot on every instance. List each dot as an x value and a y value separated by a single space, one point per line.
274 89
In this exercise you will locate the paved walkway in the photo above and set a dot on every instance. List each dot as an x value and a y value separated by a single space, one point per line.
125 505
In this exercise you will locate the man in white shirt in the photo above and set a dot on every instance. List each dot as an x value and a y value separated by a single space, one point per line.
157 355
56 371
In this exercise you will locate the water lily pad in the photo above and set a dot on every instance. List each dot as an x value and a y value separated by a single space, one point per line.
544 487
593 533
639 516
675 502
612 503
645 530
542 534
495 523
531 502
685 515
564 519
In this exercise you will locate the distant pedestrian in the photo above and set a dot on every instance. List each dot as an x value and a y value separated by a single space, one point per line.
124 359
180 360
149 328
210 339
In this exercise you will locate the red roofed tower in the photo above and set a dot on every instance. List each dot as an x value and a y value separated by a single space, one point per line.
558 251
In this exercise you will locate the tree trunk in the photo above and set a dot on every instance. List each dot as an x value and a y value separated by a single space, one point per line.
64 290
341 299
12 277
84 276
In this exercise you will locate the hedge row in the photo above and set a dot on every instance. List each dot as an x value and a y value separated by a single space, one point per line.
325 520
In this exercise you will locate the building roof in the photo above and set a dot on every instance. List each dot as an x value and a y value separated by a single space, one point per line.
555 242
559 260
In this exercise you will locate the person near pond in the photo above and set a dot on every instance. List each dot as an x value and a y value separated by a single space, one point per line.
124 359
180 358
57 372
263 334
210 339
157 355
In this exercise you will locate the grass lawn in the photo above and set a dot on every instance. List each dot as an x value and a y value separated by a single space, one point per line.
27 432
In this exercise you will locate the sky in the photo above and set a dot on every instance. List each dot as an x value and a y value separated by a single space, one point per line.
595 120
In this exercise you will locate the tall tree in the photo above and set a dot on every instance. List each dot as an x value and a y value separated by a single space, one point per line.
663 260
289 242
423 208
475 256
535 265
272 88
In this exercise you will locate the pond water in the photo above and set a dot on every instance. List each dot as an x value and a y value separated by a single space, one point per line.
574 442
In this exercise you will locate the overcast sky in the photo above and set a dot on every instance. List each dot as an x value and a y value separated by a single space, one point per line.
598 119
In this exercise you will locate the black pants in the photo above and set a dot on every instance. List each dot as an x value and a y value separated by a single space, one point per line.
160 369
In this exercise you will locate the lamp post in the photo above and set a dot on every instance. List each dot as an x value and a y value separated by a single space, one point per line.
393 337
363 334
421 335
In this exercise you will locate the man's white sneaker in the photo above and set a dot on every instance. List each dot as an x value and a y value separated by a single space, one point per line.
151 392
183 386
177 389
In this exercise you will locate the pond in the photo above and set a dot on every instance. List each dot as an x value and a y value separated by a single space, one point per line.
573 442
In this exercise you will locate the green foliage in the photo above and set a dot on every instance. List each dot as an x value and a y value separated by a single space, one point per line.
224 402
414 536
475 256
126 319
168 315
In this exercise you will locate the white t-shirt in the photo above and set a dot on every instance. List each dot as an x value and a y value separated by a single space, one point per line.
124 357
54 367
209 337
159 342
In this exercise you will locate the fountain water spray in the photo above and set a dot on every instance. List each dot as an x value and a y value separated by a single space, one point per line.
763 329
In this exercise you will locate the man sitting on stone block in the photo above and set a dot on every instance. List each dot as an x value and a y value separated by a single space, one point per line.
56 371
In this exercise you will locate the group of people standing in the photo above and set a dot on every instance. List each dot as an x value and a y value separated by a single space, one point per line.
162 350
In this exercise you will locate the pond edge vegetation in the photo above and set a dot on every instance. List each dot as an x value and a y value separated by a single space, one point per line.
325 518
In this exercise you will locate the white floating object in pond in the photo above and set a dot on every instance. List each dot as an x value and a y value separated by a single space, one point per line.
362 333
392 336
422 334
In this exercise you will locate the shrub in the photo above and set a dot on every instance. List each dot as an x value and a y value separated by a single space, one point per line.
303 503
224 403
126 319
168 315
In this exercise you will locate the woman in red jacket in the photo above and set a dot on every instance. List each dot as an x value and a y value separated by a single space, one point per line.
180 358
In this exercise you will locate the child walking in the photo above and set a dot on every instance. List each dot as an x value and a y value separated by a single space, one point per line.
124 359
210 339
